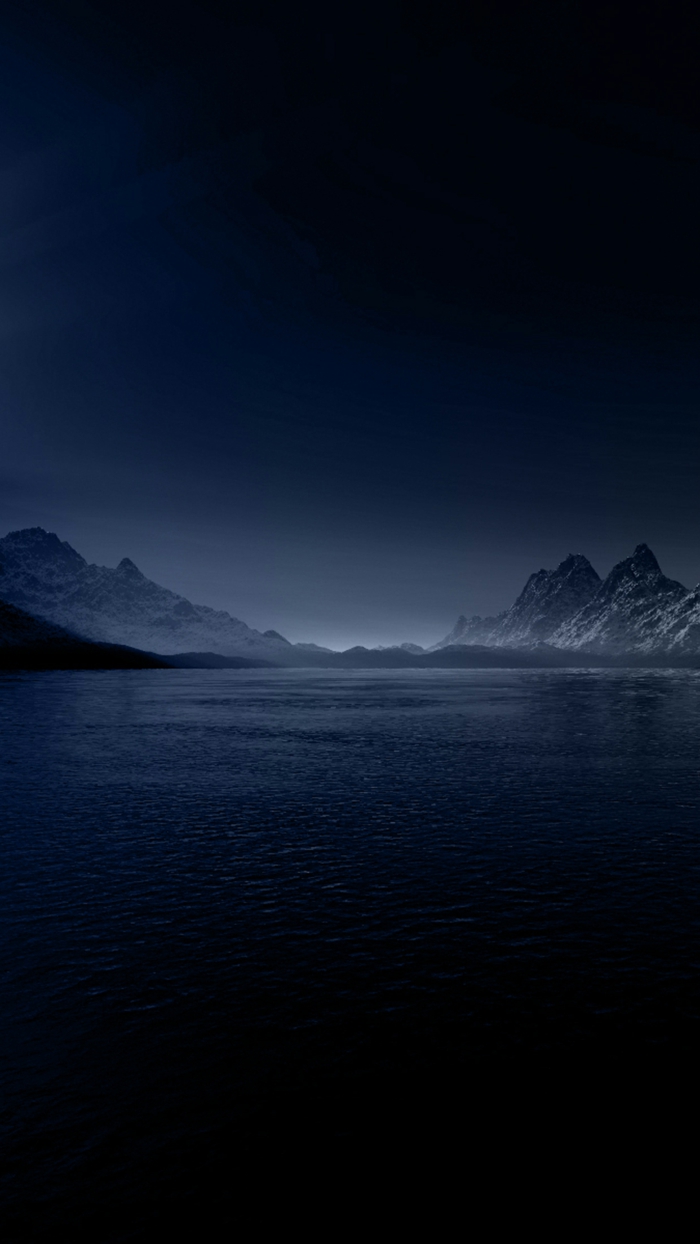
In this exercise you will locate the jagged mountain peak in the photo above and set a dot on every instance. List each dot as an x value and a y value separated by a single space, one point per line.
637 608
574 561
46 577
642 561
574 566
275 635
38 543
641 573
549 598
127 567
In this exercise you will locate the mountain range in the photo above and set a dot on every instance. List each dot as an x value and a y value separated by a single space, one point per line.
47 577
562 616
636 609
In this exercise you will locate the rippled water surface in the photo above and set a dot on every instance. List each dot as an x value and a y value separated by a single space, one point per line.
234 902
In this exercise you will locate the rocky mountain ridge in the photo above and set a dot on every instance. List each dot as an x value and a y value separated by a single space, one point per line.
47 577
636 609
549 598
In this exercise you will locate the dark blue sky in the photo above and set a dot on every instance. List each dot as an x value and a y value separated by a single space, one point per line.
346 318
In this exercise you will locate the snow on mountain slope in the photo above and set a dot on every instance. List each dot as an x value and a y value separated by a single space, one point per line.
679 629
45 576
549 598
636 609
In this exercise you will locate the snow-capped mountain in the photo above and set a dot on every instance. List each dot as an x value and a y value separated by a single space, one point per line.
45 576
548 600
635 609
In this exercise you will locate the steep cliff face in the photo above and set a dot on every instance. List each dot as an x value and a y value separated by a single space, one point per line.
45 576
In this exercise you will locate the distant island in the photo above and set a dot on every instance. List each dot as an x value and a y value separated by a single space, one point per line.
58 611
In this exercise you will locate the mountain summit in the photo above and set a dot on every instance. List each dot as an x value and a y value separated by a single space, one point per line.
46 577
127 567
631 611
549 598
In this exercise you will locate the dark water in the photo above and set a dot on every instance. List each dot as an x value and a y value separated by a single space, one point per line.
244 909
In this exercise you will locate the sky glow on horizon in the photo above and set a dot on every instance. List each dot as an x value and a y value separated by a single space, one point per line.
348 322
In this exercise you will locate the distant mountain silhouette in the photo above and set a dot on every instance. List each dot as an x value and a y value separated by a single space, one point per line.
635 610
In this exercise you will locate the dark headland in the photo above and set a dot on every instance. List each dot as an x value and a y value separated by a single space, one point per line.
29 643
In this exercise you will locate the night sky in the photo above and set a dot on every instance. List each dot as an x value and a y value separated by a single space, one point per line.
347 317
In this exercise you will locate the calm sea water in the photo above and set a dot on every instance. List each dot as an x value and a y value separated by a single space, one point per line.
244 906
